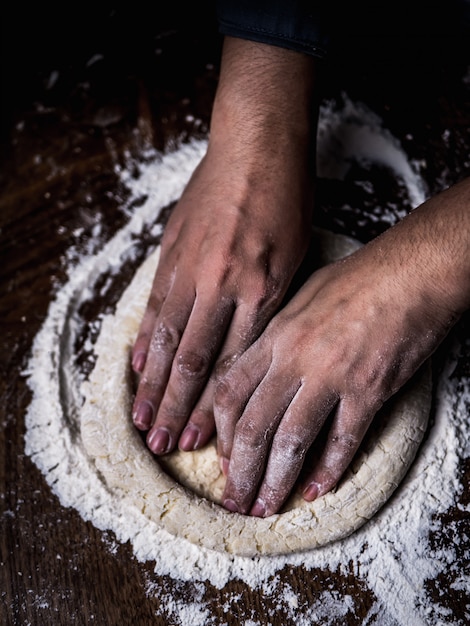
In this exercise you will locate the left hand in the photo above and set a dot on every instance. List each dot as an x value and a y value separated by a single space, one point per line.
350 338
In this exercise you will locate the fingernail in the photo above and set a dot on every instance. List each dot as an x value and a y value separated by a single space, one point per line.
258 509
311 492
143 416
230 505
159 441
138 362
223 462
189 438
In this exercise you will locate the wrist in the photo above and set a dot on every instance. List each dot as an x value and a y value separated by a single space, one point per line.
265 92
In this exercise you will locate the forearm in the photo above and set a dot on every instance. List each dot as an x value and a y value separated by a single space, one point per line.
432 247
268 96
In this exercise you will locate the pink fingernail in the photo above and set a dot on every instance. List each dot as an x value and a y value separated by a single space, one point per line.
311 492
143 416
259 509
230 505
159 441
138 362
189 438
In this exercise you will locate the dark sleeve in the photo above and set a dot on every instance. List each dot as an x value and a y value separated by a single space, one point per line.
299 25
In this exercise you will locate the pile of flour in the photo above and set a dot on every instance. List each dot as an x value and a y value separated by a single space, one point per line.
392 551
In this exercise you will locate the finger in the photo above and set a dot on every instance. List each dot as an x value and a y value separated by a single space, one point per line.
141 345
233 392
347 430
201 425
160 288
241 333
243 330
297 430
252 441
189 371
165 338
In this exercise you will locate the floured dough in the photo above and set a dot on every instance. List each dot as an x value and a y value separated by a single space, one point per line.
181 491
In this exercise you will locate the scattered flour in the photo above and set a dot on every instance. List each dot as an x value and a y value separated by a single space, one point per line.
392 552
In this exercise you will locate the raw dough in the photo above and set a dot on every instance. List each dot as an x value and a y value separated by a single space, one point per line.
181 491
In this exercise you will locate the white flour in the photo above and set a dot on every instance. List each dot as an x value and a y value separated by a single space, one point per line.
392 553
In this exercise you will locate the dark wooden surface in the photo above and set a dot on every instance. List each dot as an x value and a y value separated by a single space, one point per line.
65 124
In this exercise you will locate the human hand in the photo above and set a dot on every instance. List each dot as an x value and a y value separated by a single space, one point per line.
221 276
232 244
350 338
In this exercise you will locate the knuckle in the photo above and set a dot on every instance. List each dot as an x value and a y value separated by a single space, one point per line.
171 415
192 365
250 436
330 477
294 447
202 416
224 396
286 459
149 389
165 338
345 442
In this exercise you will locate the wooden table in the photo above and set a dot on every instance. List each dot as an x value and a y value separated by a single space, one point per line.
75 105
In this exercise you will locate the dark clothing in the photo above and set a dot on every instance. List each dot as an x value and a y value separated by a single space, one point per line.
298 24
315 27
